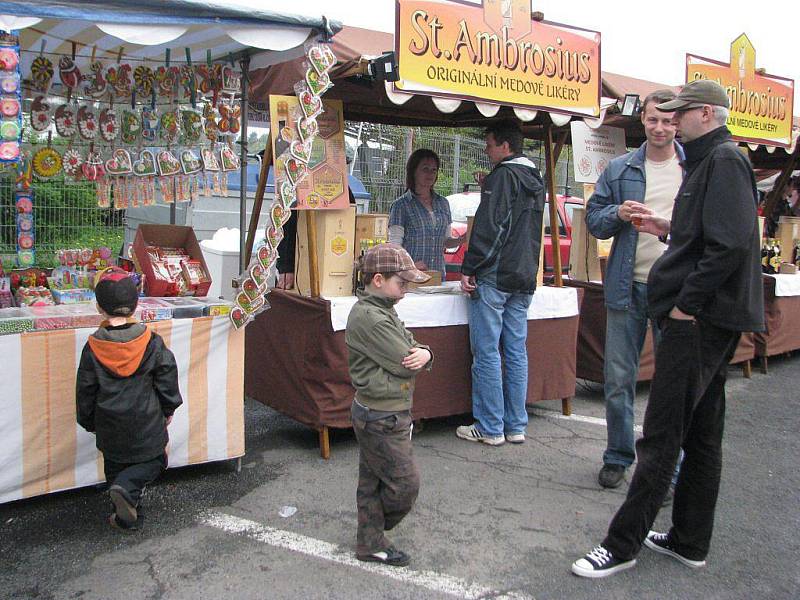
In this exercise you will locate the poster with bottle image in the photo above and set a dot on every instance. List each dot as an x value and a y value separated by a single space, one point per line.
325 185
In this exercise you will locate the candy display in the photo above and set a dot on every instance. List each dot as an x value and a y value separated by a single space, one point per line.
6 298
25 228
34 296
294 157
10 100
15 320
172 270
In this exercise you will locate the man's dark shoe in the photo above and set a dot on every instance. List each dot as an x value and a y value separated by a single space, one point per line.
611 476
660 543
391 557
123 506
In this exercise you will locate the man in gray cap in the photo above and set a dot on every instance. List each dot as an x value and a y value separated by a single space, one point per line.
703 291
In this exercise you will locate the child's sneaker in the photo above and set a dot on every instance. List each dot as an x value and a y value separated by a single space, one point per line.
472 434
125 510
600 563
660 543
118 523
515 438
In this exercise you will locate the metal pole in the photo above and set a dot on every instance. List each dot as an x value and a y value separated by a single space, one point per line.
245 65
456 163
550 180
358 144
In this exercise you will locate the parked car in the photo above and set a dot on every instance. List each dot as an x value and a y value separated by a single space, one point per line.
465 204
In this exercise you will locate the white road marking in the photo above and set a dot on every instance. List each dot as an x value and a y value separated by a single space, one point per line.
296 542
551 414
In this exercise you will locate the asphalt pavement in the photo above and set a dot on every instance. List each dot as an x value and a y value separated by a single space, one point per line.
489 523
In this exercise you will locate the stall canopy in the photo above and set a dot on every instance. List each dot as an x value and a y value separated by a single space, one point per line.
141 29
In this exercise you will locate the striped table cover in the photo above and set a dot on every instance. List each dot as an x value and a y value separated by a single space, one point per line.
42 448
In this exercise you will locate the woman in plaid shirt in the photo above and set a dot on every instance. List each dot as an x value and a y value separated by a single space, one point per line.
419 220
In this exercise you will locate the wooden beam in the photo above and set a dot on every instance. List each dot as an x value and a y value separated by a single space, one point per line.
258 201
550 182
313 260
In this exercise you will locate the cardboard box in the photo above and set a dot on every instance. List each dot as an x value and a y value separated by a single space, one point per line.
335 252
371 227
166 236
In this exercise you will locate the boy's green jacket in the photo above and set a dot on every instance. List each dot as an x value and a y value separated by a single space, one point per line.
377 342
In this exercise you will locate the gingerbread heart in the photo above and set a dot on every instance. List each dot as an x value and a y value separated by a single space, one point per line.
310 104
239 318
168 164
317 59
210 162
301 151
65 121
278 215
328 57
317 83
71 162
296 171
146 165
266 256
230 162
259 275
93 168
109 124
190 163
87 123
274 236
287 194
41 73
40 114
244 302
308 128
253 290
119 163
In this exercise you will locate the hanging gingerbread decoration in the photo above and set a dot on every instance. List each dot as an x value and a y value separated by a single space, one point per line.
68 72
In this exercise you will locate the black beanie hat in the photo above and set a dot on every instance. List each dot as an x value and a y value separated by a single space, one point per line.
116 293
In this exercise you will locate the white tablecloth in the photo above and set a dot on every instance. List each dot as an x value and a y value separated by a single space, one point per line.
787 285
442 310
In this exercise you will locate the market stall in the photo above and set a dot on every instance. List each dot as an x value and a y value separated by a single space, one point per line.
137 105
306 376
782 317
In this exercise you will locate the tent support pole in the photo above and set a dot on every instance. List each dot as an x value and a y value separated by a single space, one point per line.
313 262
243 258
258 201
780 183
550 177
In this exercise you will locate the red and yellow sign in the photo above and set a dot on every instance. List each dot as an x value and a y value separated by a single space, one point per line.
761 104
496 53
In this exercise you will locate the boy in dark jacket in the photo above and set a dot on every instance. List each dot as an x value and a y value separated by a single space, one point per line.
384 359
127 391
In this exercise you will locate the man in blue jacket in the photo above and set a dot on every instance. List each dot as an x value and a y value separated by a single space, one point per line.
499 273
645 180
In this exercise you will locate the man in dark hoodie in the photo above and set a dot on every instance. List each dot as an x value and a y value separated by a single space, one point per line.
703 291
499 273
127 391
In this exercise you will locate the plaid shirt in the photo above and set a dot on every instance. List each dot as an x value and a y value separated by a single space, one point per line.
424 233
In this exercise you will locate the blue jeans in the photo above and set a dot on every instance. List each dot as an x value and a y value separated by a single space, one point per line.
625 334
499 390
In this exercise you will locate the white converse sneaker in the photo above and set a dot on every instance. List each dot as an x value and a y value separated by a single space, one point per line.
472 434
600 563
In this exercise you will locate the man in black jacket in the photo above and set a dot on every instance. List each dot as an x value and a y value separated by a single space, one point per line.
499 273
704 291
126 393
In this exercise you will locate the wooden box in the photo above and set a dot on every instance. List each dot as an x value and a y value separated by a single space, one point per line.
584 262
335 252
788 232
371 227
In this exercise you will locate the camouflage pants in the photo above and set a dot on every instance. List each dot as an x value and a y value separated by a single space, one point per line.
388 479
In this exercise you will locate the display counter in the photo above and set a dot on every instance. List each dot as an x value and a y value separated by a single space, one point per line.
43 449
592 339
781 317
296 359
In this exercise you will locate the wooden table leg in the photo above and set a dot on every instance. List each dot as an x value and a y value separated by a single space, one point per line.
324 443
566 406
747 369
764 369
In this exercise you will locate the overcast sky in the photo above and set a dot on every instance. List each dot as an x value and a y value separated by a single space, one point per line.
639 38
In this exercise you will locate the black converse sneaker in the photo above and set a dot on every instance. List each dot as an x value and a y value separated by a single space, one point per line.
660 543
600 563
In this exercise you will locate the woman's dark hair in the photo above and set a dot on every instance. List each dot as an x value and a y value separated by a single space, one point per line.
509 131
417 156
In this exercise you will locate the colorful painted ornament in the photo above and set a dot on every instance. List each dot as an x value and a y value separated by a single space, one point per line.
119 78
149 124
167 164
308 128
317 60
97 86
71 162
144 79
310 104
301 151
211 127
239 317
46 163
190 163
41 73
169 127
210 162
145 166
230 115
9 151
10 130
109 124
259 274
229 160
65 121
93 168
131 126
9 107
296 171
317 83
40 114
191 125
87 123
120 163
68 72
166 80
186 80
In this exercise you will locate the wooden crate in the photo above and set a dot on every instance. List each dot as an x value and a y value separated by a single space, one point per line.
371 227
335 252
